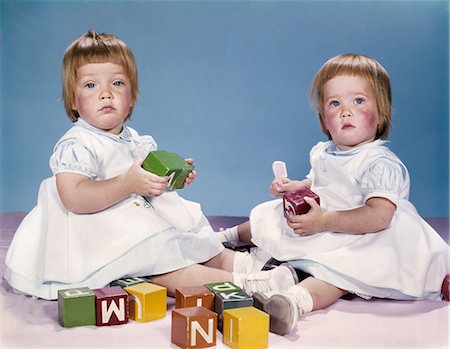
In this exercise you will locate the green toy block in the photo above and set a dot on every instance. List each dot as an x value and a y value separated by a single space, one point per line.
163 163
76 307
225 286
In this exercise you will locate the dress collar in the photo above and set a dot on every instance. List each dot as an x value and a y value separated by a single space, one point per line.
333 150
124 135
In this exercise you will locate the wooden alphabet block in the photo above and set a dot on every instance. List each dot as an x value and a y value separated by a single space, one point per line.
147 302
194 327
76 307
111 305
230 300
127 282
225 286
196 296
294 201
163 163
245 328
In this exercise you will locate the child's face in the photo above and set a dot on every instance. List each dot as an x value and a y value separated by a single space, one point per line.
350 111
103 96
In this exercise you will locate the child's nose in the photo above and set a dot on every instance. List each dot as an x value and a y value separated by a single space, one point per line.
106 94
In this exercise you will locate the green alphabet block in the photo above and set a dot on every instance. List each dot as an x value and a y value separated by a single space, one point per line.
76 307
163 163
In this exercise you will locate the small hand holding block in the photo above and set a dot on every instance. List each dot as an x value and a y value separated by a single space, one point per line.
147 301
163 163
246 328
111 306
76 307
196 296
294 201
194 327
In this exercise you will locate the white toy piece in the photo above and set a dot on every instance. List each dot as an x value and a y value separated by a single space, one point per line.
279 169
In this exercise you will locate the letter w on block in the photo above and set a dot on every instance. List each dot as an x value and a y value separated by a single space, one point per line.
118 310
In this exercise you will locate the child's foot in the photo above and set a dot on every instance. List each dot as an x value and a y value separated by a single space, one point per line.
282 310
279 278
284 307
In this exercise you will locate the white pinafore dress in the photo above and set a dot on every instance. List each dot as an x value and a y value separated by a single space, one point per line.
408 260
56 249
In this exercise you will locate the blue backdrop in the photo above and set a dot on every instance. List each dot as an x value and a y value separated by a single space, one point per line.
225 82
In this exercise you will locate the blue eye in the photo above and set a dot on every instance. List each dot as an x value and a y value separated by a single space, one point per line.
118 83
359 100
334 103
90 85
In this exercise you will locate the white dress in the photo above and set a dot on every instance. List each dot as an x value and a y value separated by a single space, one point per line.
409 260
56 249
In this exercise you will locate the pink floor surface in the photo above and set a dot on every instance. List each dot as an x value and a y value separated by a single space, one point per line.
33 323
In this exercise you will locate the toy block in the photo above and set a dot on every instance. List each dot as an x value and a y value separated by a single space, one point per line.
245 328
196 296
111 305
194 327
446 288
147 302
127 282
230 300
294 201
225 286
76 307
163 163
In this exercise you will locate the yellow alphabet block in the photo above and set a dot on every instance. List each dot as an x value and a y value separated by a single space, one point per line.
245 328
148 301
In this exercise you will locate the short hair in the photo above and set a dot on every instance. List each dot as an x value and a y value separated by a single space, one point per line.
357 65
93 47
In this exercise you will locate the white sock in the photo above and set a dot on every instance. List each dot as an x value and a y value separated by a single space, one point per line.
303 297
246 263
228 234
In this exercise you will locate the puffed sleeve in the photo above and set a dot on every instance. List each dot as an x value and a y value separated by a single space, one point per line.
384 178
71 156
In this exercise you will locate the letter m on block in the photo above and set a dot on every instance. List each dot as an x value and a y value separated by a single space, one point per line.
111 305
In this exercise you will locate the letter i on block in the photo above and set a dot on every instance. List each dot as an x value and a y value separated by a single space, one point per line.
147 301
76 307
111 305
195 296
245 328
194 327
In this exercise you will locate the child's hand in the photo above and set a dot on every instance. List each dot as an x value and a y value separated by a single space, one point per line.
192 175
281 185
144 183
309 223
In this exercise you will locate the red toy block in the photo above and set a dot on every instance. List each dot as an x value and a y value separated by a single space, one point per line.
294 201
194 327
111 305
446 287
196 296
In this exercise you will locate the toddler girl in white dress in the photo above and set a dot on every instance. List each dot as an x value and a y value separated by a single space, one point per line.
366 237
102 217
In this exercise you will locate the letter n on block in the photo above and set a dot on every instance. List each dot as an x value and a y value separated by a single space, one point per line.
147 301
195 296
194 327
76 307
111 305
245 328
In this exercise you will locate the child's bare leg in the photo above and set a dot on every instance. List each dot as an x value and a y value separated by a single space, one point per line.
322 293
224 260
245 232
194 275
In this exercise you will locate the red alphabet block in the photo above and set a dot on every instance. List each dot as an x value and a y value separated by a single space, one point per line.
294 201
194 327
111 305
